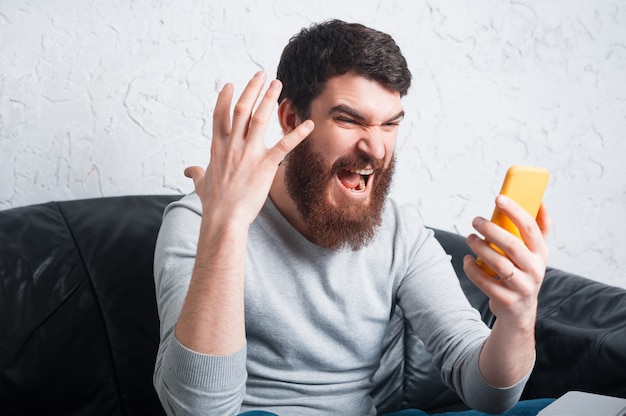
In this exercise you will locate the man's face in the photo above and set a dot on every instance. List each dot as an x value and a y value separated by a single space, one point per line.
340 175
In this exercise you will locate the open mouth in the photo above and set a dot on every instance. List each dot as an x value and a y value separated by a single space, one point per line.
354 179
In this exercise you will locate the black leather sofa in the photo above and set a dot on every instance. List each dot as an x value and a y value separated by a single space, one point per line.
79 327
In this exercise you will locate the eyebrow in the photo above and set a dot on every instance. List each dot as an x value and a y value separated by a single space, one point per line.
341 108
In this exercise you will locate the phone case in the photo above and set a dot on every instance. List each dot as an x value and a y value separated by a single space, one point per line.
526 186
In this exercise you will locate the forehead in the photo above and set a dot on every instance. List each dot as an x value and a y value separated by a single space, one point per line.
365 96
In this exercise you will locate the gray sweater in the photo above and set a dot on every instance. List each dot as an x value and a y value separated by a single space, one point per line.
315 319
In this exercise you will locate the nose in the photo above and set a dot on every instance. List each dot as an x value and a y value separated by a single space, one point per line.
372 143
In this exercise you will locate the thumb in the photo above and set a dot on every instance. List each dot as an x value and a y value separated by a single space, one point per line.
194 172
290 141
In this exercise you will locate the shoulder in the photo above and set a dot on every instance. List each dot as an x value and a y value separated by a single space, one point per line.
413 242
181 222
190 202
404 223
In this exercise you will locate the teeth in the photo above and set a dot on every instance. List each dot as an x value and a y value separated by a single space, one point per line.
365 172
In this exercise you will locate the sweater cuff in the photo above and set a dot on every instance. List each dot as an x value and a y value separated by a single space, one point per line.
205 371
490 399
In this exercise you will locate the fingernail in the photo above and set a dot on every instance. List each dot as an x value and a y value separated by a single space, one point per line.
477 222
275 84
502 200
259 74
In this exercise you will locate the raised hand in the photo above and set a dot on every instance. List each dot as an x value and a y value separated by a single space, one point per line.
240 172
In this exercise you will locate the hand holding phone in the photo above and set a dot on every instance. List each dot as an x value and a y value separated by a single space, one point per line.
526 186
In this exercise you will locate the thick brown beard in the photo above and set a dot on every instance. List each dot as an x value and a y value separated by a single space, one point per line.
308 177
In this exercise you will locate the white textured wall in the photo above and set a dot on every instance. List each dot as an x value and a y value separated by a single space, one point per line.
102 98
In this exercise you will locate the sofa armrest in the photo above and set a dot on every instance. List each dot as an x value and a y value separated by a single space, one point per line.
581 337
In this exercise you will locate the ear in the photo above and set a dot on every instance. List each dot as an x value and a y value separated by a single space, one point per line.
287 116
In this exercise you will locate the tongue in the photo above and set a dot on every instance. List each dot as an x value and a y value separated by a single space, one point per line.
349 179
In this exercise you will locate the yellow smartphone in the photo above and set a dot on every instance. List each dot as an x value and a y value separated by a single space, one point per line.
526 186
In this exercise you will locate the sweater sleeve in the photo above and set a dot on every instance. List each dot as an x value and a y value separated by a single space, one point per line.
187 382
437 310
477 393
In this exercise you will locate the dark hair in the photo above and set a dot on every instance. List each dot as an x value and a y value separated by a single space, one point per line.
334 48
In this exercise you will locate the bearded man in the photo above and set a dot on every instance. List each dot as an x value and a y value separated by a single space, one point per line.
277 278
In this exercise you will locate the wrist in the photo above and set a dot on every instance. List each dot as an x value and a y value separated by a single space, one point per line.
221 237
522 332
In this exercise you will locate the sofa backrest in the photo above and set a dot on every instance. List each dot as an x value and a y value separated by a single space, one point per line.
78 321
79 328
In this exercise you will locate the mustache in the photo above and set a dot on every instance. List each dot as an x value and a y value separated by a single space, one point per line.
357 162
